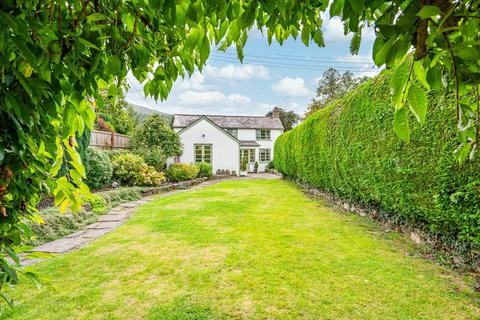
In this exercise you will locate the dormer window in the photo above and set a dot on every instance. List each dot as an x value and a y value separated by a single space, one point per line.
263 134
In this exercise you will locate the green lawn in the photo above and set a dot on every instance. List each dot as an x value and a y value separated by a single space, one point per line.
255 249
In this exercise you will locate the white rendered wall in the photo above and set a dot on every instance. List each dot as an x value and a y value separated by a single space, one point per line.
250 134
225 150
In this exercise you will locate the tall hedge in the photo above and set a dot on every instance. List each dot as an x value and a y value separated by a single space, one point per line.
350 149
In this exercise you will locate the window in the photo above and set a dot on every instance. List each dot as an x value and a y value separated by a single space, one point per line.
248 154
203 153
264 155
233 132
263 134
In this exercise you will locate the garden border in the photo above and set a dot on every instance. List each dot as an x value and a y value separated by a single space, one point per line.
432 246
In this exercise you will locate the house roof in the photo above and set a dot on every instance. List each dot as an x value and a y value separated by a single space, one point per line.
249 143
191 124
230 122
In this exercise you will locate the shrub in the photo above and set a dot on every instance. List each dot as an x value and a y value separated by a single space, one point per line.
182 172
204 170
350 149
118 196
127 168
271 165
243 165
149 177
57 225
131 170
98 203
113 153
99 169
255 167
153 157
155 141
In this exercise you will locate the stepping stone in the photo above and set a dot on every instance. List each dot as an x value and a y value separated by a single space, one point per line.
92 226
113 217
76 234
129 205
107 225
60 245
94 233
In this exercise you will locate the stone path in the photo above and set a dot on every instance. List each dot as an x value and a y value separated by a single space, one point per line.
115 218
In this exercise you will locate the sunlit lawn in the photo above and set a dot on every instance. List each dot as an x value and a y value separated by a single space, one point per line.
245 250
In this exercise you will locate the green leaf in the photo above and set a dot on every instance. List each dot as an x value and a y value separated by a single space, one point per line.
204 49
399 82
7 299
234 30
428 11
114 64
401 124
239 52
25 51
336 7
306 35
420 74
192 39
88 43
381 50
417 100
357 5
355 43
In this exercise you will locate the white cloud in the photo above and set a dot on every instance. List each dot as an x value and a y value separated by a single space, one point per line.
211 98
237 72
333 30
291 87
195 82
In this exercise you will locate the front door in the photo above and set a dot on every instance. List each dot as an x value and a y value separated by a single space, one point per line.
248 154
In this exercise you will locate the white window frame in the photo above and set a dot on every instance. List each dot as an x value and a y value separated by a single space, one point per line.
267 134
202 145
268 152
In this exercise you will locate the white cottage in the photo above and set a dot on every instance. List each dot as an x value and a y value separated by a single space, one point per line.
224 141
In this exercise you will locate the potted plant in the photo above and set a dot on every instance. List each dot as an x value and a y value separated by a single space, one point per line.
255 168
243 167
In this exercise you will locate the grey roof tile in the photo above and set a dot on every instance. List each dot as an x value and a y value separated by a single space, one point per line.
249 143
231 122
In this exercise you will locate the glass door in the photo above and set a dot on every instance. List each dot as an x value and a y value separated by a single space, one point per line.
248 154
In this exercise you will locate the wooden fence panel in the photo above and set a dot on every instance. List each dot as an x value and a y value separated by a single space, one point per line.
103 139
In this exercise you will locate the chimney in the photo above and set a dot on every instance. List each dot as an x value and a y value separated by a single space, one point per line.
276 112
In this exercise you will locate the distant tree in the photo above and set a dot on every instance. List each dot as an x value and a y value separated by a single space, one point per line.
115 115
155 141
331 86
288 118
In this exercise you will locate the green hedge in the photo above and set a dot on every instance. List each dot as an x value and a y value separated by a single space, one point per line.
350 149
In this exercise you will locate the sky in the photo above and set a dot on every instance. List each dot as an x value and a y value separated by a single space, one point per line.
284 76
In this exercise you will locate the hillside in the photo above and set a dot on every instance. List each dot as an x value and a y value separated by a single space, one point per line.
143 112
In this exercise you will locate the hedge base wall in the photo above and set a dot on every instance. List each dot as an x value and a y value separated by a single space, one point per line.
349 149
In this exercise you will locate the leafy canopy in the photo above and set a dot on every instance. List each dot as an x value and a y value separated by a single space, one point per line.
56 57
288 118
333 85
